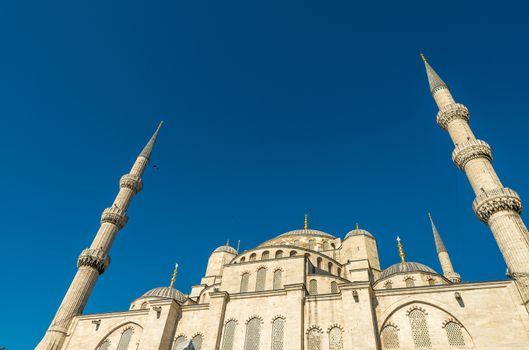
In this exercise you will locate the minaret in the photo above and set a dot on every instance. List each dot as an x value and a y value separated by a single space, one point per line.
442 254
495 205
94 260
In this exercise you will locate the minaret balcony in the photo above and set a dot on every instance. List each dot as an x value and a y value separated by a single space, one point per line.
115 216
492 201
132 182
469 150
94 258
452 112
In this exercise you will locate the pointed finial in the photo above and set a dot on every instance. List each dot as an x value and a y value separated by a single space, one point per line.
439 245
423 58
173 279
147 150
306 222
434 80
357 229
238 245
228 242
401 251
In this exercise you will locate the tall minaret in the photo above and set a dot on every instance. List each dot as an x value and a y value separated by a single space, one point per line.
495 205
94 260
442 254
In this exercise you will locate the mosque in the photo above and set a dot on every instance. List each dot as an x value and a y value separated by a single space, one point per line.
308 289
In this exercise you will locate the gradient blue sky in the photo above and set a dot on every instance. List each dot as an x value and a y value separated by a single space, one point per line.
271 109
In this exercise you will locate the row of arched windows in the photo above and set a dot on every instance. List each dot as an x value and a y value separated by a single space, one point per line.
409 282
313 287
266 255
260 281
196 341
252 334
420 332
315 339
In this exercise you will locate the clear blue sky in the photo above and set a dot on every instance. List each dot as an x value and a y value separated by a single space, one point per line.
271 108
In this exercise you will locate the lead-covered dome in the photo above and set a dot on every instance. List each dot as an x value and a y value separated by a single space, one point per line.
307 232
166 293
227 249
358 231
406 267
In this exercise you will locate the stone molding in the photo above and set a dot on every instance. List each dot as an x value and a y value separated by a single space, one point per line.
94 258
493 201
453 277
115 216
132 182
469 150
452 112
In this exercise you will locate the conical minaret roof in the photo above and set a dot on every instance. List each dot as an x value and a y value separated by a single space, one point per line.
434 79
147 150
439 245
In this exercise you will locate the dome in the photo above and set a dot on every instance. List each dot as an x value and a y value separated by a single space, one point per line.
166 293
358 232
227 249
307 232
408 266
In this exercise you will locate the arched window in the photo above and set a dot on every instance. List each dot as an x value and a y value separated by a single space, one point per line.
297 243
409 282
313 287
454 334
143 305
293 252
335 339
333 246
419 329
243 259
330 267
431 282
388 285
179 340
334 287
314 339
105 345
244 282
312 242
125 339
278 333
318 263
278 274
197 342
265 255
279 254
261 279
253 334
390 337
325 245
229 332
253 257
339 271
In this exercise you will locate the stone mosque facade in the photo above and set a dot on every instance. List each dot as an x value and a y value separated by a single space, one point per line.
310 290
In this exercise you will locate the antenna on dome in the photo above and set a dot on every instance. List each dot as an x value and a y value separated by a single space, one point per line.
173 279
401 251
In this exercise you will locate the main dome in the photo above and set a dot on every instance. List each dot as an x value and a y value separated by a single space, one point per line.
166 293
408 266
227 249
307 232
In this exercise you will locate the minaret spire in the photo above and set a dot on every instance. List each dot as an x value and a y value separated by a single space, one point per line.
94 260
434 79
442 254
173 278
497 206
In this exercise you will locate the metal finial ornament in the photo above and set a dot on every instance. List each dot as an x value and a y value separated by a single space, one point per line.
306 222
228 242
357 229
423 58
175 272
238 245
401 251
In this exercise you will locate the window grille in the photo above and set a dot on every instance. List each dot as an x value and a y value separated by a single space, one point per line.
409 282
278 333
313 287
244 282
334 287
253 334
279 254
390 337
454 334
265 255
261 279
314 339
278 284
419 329
179 340
105 345
335 339
229 332
197 342
125 339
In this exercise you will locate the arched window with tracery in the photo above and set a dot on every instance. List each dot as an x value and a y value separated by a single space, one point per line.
335 339
105 345
419 329
279 254
179 340
253 334
261 279
313 287
314 339
265 255
278 276
454 333
245 279
409 282
334 287
390 337
124 341
197 342
229 333
278 333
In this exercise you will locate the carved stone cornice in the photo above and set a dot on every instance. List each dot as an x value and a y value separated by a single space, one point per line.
132 182
94 258
469 150
454 277
114 216
493 201
452 112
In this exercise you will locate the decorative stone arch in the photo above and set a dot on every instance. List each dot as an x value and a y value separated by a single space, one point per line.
314 327
451 320
245 272
391 324
198 334
278 316
232 319
278 268
102 342
124 327
252 317
179 335
261 267
388 284
334 325
416 307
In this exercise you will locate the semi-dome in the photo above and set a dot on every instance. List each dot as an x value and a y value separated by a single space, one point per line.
227 249
408 266
166 293
358 231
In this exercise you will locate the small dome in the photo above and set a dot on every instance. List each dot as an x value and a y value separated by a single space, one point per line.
408 266
227 249
358 232
166 293
307 232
